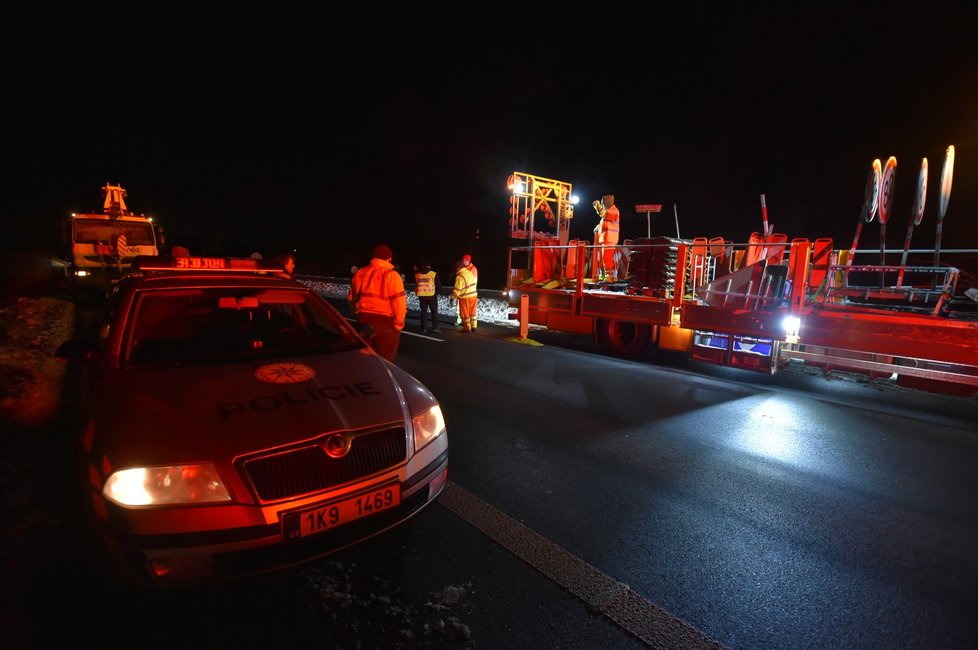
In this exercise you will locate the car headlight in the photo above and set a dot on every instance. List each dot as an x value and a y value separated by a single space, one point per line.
176 484
428 426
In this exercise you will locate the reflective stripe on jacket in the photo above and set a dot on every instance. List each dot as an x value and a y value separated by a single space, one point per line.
378 289
425 284
465 285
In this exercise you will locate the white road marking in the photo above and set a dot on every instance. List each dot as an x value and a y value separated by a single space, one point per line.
601 593
422 336
408 332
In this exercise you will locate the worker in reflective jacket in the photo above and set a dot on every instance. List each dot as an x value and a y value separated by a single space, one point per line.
606 238
378 298
467 262
464 291
426 288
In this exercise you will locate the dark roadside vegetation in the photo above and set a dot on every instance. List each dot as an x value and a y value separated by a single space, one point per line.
36 472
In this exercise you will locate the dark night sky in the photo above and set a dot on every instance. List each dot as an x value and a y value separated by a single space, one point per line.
279 131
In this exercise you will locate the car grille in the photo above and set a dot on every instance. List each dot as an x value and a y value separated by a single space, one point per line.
309 469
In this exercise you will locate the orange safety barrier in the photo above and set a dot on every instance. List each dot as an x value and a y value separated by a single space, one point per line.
821 255
700 246
755 249
546 260
570 266
775 248
718 251
798 262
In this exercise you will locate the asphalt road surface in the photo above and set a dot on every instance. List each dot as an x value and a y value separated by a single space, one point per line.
779 511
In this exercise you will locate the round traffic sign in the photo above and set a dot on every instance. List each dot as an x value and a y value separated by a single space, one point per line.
872 195
887 187
918 204
946 176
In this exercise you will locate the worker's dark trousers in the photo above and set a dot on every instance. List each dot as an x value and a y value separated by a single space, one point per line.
429 306
386 337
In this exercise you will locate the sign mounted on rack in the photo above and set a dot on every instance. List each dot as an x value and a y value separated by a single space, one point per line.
887 188
946 175
918 204
872 195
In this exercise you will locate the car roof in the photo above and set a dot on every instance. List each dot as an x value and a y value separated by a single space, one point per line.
165 280
164 271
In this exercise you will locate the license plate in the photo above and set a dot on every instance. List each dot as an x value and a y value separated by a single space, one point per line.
298 525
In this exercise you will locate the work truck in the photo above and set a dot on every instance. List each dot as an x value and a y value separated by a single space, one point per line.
757 305
98 247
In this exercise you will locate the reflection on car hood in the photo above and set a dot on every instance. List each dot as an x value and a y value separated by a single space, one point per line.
215 413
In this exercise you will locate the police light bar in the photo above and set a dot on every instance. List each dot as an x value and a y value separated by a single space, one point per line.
181 263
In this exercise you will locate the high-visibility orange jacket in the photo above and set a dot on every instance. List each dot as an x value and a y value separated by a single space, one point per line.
608 227
378 289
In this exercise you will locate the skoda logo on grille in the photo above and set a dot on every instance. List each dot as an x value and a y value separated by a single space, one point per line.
336 446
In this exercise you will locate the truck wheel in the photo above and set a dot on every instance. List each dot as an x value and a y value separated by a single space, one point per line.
622 338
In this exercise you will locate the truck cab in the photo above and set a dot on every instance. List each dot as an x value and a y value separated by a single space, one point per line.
99 247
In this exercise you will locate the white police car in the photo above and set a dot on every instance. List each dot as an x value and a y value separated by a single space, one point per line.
235 423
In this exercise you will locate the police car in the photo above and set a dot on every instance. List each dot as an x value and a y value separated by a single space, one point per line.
236 423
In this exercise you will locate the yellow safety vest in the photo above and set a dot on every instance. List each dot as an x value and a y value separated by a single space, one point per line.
425 284
465 285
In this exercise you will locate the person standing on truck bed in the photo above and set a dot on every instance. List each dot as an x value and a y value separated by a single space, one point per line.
377 297
606 237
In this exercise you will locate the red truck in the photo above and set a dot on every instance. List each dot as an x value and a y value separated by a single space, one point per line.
756 305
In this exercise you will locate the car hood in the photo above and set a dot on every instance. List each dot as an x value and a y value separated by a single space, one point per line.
208 413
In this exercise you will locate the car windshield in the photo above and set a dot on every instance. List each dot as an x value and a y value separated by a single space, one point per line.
227 323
